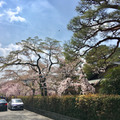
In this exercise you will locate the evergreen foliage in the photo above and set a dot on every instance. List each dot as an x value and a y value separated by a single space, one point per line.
97 23
89 107
111 84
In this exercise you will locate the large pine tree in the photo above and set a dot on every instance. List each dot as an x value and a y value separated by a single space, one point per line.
98 22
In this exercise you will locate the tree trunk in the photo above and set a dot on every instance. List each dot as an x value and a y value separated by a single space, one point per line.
33 91
43 86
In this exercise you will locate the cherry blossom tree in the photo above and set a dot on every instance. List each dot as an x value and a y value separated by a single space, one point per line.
74 77
36 53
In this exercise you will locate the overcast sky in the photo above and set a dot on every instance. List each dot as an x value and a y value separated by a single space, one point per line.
20 19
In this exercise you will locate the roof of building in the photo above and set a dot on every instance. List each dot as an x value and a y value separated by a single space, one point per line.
94 81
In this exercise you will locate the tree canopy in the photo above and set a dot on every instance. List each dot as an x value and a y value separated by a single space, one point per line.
38 54
98 22
111 84
97 61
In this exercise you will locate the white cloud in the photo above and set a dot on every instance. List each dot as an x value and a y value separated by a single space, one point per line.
1 15
2 3
13 15
5 51
16 18
13 47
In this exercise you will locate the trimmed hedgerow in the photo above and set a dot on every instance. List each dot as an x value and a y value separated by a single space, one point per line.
89 107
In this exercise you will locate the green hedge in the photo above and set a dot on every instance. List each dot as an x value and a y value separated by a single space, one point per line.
90 107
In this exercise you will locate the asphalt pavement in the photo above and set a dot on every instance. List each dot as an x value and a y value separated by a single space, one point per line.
21 115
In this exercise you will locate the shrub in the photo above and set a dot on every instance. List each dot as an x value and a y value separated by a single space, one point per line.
88 107
111 84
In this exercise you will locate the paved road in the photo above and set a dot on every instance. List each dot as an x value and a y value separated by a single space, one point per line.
21 115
